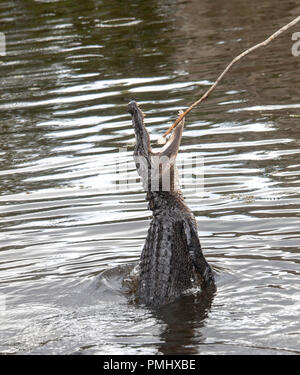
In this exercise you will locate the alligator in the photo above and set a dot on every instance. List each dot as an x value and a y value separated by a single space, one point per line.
171 257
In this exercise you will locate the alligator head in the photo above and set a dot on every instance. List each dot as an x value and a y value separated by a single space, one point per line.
172 255
157 169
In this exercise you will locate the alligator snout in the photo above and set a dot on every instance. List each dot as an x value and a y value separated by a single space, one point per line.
132 107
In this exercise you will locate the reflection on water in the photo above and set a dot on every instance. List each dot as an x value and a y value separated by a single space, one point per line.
70 69
183 323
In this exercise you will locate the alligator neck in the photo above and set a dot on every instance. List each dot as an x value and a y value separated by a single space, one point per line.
163 201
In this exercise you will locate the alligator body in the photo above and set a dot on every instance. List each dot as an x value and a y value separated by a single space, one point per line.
172 255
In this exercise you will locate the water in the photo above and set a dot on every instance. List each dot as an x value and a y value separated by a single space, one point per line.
68 236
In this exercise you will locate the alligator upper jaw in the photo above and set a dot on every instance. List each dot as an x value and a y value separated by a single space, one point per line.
137 115
133 107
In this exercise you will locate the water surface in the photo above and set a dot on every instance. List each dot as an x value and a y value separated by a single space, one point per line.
68 236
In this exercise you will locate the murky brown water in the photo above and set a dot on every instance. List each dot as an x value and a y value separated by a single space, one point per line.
70 70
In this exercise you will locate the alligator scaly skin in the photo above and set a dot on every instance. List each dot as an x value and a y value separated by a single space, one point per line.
172 255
